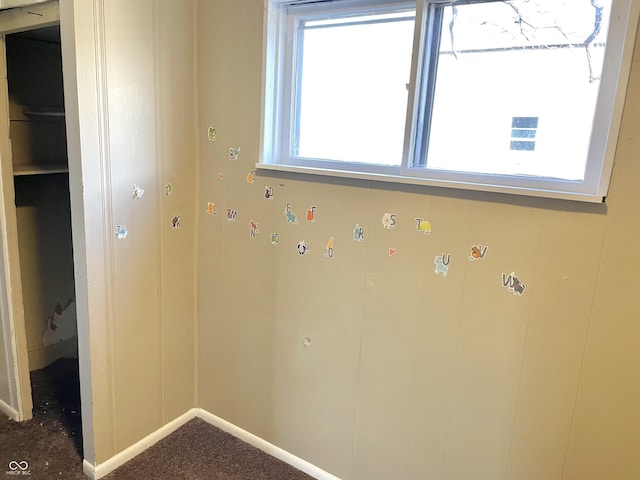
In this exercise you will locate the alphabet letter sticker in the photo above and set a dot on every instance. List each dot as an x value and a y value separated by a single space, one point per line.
478 252
232 215
512 283
289 215
423 226
121 232
253 230
211 133
137 192
234 153
329 250
442 264
268 192
311 214
303 248
389 220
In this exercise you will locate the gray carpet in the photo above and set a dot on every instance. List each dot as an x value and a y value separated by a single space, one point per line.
199 451
51 443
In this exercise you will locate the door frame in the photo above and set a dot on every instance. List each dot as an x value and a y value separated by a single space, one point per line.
12 21
38 15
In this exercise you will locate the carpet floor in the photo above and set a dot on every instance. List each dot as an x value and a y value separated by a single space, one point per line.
51 443
199 451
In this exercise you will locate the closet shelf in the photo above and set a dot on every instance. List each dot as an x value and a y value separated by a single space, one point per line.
20 170
44 112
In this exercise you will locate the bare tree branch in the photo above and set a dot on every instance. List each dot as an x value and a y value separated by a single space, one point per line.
520 20
528 30
597 25
454 16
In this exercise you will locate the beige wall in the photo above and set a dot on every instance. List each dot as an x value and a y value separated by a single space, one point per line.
410 374
136 352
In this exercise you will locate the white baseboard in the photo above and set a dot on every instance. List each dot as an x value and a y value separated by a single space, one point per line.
8 410
269 448
99 471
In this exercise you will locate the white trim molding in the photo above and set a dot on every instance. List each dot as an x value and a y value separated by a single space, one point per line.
8 410
269 448
96 472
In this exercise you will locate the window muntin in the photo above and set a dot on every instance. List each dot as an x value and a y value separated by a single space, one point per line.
590 184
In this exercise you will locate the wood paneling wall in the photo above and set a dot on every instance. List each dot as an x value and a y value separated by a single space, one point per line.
371 366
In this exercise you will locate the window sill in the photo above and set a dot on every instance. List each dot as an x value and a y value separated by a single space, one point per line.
407 180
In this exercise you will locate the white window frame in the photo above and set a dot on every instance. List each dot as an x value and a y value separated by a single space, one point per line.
604 136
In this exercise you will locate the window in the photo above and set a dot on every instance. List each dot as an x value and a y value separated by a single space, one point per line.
523 133
521 96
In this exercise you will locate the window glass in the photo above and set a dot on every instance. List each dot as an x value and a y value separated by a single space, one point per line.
351 100
500 63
